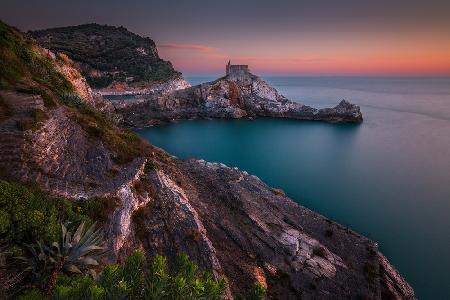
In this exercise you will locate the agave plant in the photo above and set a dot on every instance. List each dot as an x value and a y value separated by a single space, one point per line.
79 251
75 253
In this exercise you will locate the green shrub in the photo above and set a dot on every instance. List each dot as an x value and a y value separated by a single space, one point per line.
32 295
257 293
99 209
133 280
27 214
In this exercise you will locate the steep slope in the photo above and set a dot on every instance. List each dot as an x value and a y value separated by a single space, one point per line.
233 96
229 222
110 56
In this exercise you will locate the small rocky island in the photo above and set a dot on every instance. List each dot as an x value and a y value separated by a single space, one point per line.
239 94
62 139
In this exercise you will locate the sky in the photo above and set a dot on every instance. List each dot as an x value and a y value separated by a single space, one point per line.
283 37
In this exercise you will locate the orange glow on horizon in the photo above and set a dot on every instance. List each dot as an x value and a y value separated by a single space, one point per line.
214 63
367 57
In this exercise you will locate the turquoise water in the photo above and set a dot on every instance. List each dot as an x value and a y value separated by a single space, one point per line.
388 178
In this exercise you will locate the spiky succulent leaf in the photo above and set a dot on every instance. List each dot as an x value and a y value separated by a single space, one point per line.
72 268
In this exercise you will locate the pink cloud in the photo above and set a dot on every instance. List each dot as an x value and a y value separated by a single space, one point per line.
196 47
214 56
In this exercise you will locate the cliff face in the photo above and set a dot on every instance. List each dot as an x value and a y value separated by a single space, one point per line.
228 221
232 223
233 96
109 56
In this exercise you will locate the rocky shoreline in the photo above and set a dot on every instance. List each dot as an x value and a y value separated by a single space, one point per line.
162 88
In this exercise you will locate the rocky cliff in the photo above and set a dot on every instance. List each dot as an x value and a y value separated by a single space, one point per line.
242 95
110 57
228 221
233 224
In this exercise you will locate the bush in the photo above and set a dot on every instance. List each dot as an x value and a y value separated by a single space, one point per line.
32 295
99 209
133 280
27 214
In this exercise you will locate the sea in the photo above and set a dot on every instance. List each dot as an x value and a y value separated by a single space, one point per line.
387 178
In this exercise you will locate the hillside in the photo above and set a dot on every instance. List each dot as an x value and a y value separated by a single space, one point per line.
63 158
108 54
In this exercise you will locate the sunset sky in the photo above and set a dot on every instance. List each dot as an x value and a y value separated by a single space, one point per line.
395 37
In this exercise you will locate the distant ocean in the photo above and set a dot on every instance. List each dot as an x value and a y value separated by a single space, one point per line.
388 178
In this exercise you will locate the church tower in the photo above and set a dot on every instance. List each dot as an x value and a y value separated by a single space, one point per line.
227 69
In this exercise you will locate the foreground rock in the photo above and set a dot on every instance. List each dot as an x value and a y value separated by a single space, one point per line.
233 224
237 95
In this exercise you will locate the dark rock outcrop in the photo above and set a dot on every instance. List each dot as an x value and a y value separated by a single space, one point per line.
233 96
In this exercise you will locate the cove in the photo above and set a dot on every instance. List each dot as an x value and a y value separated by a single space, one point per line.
387 178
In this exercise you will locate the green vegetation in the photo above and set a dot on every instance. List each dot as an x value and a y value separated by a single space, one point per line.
27 214
258 292
99 209
30 217
134 280
108 53
24 66
76 252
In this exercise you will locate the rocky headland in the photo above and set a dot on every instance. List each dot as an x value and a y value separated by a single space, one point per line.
228 221
237 95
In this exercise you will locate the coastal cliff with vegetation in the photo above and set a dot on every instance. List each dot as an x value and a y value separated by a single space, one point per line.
65 159
112 59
